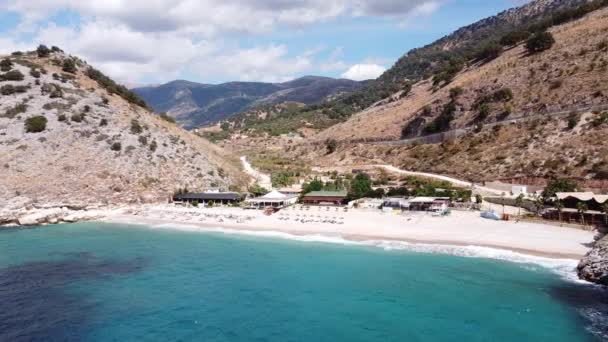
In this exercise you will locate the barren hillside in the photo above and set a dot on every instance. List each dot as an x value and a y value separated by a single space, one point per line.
573 73
68 138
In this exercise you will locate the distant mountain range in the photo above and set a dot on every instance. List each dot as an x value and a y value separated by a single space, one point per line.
195 104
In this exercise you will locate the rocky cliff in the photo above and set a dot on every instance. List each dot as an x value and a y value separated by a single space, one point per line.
71 136
594 266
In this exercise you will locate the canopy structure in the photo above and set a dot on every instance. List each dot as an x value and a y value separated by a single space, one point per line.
273 199
582 196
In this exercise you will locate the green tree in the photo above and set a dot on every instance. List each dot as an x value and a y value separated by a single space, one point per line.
257 190
558 185
281 178
514 37
313 185
540 42
489 52
581 208
360 186
35 124
559 205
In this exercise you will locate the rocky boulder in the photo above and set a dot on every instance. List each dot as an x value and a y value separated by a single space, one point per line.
594 266
41 216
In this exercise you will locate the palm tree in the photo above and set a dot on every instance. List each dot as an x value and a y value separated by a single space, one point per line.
519 202
559 205
539 203
581 207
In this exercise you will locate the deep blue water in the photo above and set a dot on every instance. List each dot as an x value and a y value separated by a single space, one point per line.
100 282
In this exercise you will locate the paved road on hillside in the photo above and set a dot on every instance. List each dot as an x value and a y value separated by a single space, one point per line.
258 177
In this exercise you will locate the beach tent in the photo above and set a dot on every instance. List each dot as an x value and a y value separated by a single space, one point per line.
273 199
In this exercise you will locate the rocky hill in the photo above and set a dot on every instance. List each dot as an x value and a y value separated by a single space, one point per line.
194 104
438 62
70 135
540 98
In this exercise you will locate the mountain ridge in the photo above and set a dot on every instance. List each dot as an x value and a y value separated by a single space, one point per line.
195 104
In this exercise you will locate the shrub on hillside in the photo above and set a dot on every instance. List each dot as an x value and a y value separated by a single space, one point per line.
153 146
6 64
540 42
116 146
17 53
62 118
167 118
34 73
35 124
573 119
103 122
77 118
513 38
114 88
331 145
7 89
136 127
69 66
442 122
489 52
455 92
13 75
11 112
43 51
143 140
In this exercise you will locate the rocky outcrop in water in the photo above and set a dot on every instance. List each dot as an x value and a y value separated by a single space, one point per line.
594 266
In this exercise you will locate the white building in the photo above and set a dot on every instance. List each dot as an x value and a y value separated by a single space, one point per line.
273 199
517 190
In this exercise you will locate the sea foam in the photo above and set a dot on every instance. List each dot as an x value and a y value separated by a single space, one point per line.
565 268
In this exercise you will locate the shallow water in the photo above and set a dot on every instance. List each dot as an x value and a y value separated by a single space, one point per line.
102 282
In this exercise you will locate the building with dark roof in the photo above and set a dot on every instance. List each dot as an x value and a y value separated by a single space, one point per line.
325 198
209 197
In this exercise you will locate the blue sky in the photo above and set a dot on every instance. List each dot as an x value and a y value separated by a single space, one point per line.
213 41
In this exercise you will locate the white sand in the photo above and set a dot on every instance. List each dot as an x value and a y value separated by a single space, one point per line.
461 228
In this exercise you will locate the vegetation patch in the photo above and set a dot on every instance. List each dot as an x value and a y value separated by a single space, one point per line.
13 75
35 124
14 111
114 88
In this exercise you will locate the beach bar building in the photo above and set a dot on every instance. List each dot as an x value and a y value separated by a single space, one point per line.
335 198
273 199
204 198
594 214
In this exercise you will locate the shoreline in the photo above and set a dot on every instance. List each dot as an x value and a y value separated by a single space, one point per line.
464 229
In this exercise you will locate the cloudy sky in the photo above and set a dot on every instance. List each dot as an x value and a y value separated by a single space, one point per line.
213 41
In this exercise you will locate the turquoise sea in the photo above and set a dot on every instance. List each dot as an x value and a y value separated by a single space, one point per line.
102 282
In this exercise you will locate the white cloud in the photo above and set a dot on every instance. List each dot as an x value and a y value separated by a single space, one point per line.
158 40
361 72
268 64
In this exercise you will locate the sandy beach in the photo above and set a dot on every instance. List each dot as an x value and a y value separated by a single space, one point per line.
461 228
